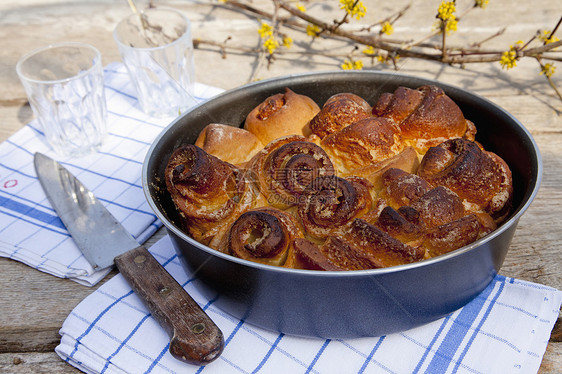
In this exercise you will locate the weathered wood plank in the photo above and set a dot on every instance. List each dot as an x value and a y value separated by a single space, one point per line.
37 363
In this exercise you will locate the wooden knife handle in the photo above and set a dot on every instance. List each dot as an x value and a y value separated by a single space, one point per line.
194 337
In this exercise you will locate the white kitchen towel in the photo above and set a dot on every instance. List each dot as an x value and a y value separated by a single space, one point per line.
504 330
30 230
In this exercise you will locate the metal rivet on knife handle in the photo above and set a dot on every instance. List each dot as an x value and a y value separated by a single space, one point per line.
194 336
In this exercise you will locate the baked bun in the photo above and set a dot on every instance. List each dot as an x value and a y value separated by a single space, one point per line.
407 160
281 115
330 204
363 143
208 192
480 178
263 235
339 111
363 247
230 144
286 166
425 116
402 188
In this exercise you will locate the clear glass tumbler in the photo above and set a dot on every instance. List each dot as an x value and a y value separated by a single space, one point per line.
65 88
157 49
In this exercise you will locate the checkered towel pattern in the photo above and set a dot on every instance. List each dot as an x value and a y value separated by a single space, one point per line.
504 330
30 230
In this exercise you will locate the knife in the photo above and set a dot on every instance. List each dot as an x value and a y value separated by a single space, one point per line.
194 337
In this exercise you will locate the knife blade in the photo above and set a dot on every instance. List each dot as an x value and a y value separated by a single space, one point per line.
194 337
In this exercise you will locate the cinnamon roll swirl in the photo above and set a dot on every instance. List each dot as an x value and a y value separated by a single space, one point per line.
263 235
332 203
207 192
481 179
285 168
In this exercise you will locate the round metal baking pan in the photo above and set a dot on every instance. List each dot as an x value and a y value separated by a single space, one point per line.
351 303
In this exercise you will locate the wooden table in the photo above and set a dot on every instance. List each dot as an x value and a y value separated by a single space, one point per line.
33 305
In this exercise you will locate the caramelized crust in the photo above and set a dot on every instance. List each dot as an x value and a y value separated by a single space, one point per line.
387 250
402 188
264 235
281 115
403 224
331 204
438 206
363 143
285 168
407 160
426 116
308 256
231 144
480 178
452 235
349 257
208 192
339 111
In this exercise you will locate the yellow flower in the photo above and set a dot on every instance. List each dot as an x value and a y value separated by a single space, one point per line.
265 30
446 10
546 38
354 10
548 69
271 45
287 42
387 28
301 7
312 30
370 50
508 59
481 3
451 25
352 65
447 19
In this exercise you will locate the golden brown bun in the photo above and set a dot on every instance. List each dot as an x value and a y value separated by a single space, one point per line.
281 115
452 235
482 179
407 160
286 166
402 188
426 116
264 235
309 256
230 144
387 250
339 111
363 143
332 203
207 191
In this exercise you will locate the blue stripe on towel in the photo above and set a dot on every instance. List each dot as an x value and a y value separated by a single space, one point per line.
477 329
450 344
31 212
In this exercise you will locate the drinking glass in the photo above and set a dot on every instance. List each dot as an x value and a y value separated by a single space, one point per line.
65 87
157 49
